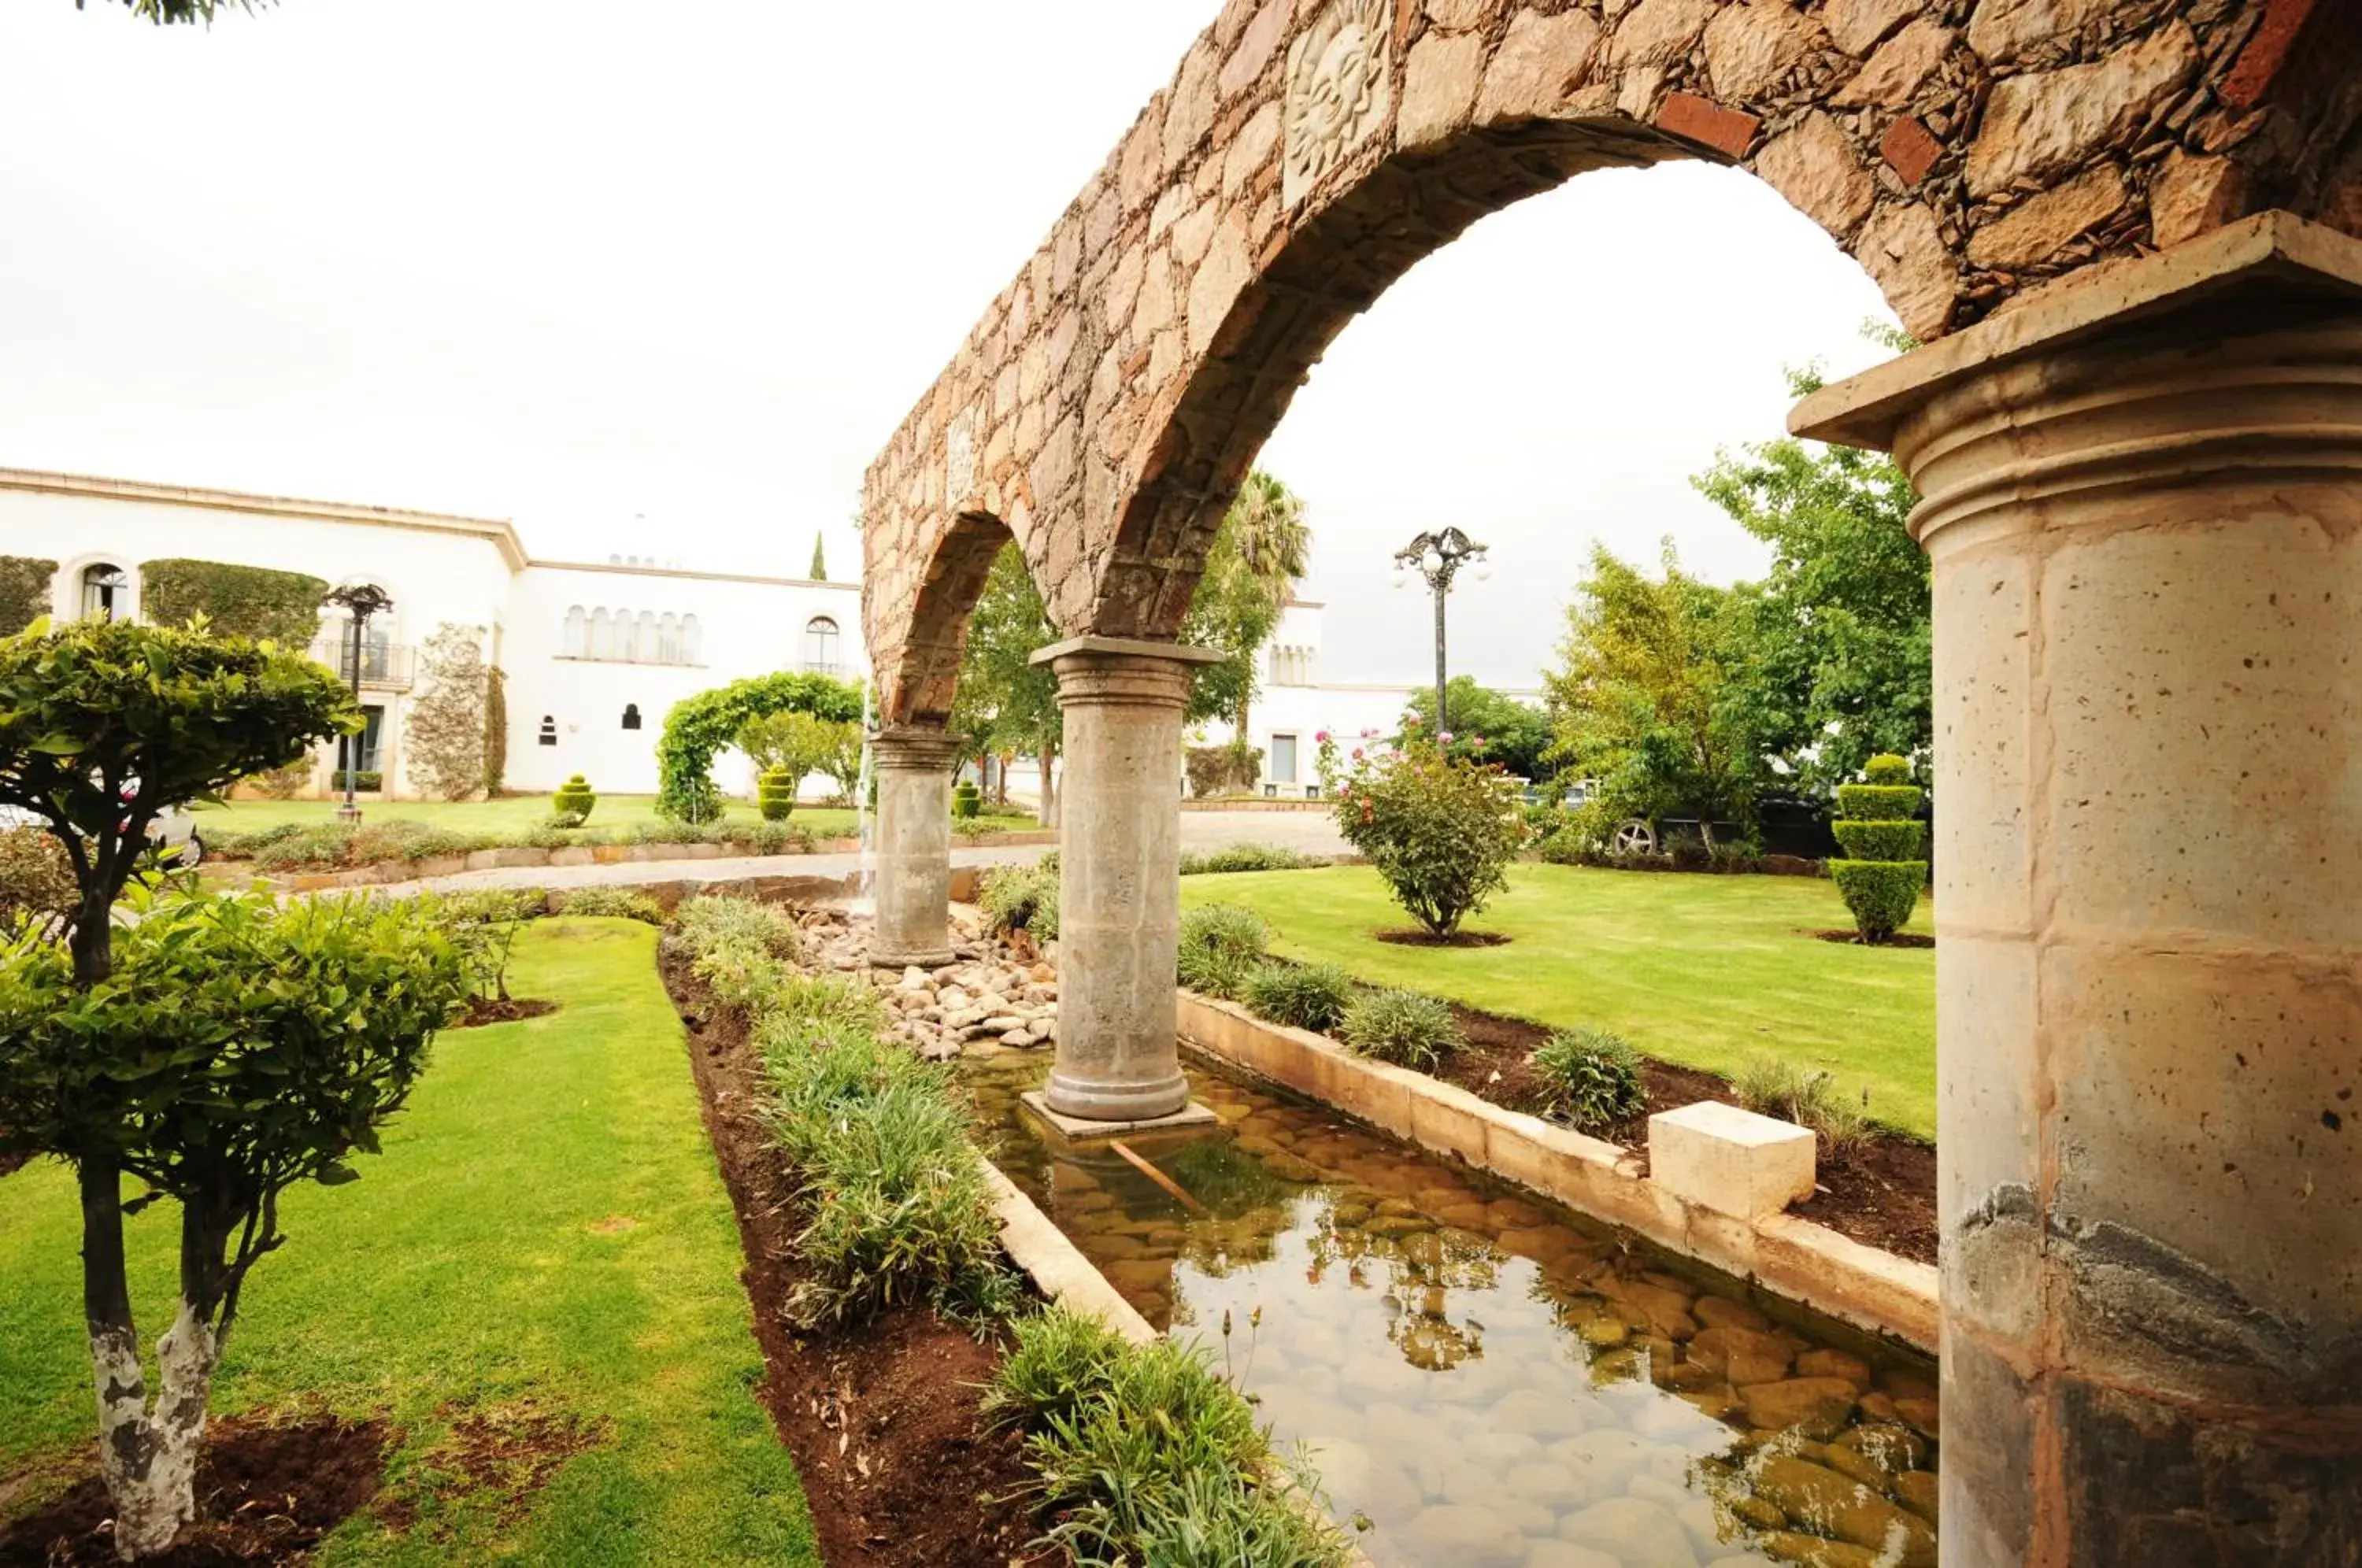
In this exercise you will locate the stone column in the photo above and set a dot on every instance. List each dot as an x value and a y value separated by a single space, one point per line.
1120 893
914 845
2143 505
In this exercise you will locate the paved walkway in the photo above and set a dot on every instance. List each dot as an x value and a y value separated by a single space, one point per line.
1310 832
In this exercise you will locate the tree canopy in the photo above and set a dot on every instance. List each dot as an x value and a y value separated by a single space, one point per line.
1840 664
699 726
1006 704
1261 549
164 11
1486 725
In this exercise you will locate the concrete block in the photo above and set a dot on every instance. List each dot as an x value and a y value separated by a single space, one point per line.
1730 1159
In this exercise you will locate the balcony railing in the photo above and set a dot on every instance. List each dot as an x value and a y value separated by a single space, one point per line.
387 665
835 669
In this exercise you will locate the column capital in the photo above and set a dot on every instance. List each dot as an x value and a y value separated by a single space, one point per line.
1123 671
920 747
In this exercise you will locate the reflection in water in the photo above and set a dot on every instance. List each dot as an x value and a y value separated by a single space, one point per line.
1491 1383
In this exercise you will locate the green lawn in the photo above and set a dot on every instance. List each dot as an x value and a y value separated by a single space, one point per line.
1703 971
518 813
464 1269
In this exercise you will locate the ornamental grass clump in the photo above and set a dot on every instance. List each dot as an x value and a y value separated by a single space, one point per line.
1243 857
1151 1456
1594 1078
1302 996
1806 1096
1022 898
1887 849
1401 1027
1221 944
1440 831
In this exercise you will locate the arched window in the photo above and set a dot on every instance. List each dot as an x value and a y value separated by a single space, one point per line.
105 591
626 643
578 633
548 729
630 715
668 639
820 646
602 636
692 640
643 641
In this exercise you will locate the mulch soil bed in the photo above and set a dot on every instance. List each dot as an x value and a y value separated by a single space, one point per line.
482 1011
270 1487
884 1420
1852 938
1882 1194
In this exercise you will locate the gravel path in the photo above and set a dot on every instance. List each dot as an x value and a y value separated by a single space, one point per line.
1310 833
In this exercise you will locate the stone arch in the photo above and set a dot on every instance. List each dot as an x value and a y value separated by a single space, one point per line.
1965 152
917 681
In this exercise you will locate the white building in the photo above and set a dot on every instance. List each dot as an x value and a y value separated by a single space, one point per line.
1295 705
594 655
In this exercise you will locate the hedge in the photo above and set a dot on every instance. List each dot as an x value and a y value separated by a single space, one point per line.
236 600
24 591
699 726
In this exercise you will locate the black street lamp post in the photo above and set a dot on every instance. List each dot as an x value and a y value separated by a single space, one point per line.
1439 558
360 603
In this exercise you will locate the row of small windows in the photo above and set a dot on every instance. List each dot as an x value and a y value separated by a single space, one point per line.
549 736
645 638
1291 666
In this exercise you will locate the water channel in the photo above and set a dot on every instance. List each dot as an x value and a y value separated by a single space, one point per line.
1490 1382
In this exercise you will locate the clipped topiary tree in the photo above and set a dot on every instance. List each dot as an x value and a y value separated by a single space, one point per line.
774 793
575 798
967 800
1886 848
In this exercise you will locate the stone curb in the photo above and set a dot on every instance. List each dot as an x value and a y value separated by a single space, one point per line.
1055 1264
527 858
1794 1258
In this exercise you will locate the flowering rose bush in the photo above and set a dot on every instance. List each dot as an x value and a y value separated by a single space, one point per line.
1440 830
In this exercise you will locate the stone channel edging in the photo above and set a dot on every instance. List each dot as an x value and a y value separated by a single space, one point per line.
1055 1264
527 856
1863 1285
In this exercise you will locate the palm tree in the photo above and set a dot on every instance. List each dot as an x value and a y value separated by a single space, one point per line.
1261 551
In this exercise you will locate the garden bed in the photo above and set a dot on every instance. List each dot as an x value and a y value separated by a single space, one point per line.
1882 1193
898 1467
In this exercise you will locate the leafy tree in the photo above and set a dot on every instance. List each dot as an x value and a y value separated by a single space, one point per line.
1260 551
1006 704
445 725
796 743
106 724
1840 666
1486 725
1649 701
234 1048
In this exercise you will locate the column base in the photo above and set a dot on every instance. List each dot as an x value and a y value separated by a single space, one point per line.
930 958
1193 1114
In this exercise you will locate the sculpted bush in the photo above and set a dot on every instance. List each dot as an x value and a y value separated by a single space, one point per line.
1440 831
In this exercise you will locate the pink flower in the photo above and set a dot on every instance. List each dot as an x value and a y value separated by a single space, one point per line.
1322 737
1445 737
1369 734
1357 753
1410 720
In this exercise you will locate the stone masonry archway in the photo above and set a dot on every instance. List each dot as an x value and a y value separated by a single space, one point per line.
2127 229
1308 151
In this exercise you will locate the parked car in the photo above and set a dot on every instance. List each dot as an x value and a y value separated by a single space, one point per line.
174 835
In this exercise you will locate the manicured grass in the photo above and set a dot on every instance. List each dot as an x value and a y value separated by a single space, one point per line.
520 813
546 1228
1701 971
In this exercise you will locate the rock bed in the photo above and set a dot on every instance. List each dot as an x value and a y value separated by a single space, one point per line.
1492 1385
993 995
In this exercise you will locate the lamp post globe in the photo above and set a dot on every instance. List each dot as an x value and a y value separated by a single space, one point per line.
1437 557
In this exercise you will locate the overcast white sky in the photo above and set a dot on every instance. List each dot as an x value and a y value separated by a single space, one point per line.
581 262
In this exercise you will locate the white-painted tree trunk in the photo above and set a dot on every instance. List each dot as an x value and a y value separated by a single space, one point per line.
149 1456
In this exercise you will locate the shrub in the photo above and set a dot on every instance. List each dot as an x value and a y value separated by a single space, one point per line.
236 600
496 728
482 926
775 794
1880 882
24 591
1401 1027
1302 996
1022 898
618 903
967 800
575 798
1212 972
280 783
1807 1097
1221 769
1151 1456
1243 857
37 881
1440 832
444 727
1226 928
1594 1076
